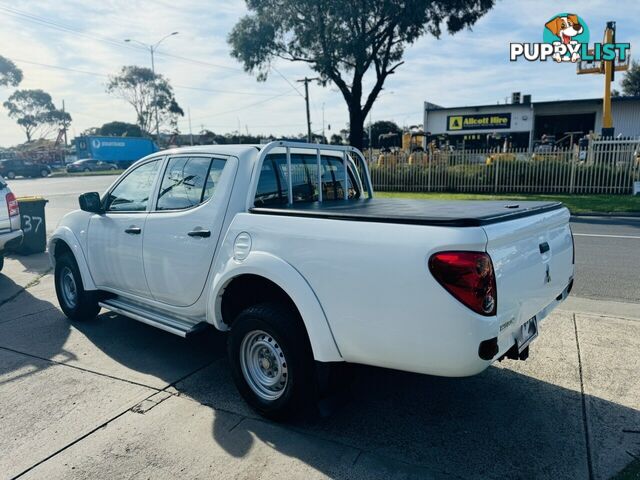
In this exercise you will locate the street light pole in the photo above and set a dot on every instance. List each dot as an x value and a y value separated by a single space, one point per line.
152 49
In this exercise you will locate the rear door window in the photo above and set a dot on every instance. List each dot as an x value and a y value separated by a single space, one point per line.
188 181
273 186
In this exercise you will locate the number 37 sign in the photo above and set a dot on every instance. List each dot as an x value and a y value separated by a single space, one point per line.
31 223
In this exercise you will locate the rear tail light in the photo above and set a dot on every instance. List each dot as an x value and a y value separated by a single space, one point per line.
12 205
469 277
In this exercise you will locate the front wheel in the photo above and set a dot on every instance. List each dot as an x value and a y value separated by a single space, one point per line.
44 173
76 302
271 360
11 175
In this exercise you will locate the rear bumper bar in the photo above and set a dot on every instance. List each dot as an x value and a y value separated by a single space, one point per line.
506 347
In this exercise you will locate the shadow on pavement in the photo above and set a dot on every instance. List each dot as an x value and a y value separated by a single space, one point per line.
36 263
12 316
499 424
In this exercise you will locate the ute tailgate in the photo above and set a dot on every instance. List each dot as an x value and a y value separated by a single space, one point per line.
533 261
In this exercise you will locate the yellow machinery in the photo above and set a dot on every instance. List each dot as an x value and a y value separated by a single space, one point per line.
412 146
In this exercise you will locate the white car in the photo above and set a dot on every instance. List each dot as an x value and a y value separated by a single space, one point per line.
284 246
10 232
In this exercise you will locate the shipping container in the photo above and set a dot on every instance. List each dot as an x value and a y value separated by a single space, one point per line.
122 151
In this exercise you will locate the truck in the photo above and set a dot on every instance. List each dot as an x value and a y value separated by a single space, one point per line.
10 231
122 151
285 247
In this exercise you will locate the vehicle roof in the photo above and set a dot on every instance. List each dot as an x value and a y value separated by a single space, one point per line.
235 150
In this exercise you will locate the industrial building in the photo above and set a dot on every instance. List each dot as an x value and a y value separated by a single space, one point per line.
523 123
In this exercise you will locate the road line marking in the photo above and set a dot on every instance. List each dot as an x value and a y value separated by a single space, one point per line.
605 236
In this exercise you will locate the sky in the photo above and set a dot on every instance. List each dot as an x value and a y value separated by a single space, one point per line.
69 48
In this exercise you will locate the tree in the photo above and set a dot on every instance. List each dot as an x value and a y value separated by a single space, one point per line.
631 82
342 40
382 127
35 112
145 91
120 129
336 139
10 75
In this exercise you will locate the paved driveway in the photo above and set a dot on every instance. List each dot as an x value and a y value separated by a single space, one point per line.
113 398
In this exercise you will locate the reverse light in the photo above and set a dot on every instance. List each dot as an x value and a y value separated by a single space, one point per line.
469 277
12 205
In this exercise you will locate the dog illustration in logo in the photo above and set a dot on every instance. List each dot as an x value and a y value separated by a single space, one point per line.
565 28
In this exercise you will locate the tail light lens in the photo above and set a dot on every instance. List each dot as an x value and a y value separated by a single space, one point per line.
12 205
469 277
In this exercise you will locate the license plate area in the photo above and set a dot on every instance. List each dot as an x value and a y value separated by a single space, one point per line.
526 333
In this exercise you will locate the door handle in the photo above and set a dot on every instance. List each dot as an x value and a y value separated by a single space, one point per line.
133 230
544 247
199 233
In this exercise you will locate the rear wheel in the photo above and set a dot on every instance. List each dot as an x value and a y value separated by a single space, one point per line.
11 174
44 173
76 302
271 360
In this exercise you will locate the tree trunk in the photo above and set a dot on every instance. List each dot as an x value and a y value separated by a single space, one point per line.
356 126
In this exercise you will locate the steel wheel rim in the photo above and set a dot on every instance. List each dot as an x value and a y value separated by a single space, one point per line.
68 287
264 365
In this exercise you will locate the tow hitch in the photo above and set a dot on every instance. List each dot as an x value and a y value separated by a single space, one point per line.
513 354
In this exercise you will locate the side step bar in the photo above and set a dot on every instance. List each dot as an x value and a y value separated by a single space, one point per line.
156 319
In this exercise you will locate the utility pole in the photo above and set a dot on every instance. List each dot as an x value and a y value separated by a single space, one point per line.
190 130
306 81
64 124
323 137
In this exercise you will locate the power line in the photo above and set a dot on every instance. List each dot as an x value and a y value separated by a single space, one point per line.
241 108
110 41
186 87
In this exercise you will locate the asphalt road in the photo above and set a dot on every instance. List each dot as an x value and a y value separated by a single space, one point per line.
607 248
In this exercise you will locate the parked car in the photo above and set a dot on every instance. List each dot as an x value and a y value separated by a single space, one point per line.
286 248
90 165
12 168
10 232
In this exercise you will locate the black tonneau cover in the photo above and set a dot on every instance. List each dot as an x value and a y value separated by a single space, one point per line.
454 213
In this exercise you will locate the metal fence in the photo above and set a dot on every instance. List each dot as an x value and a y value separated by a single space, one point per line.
606 166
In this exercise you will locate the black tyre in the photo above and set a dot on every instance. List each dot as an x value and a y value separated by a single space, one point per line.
1 262
11 174
44 173
271 360
86 170
76 303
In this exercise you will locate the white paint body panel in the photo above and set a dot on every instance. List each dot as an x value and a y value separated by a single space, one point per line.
363 289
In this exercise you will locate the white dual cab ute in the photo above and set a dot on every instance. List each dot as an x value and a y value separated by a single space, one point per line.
10 232
284 246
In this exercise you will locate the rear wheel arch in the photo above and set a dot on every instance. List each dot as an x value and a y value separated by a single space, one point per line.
246 289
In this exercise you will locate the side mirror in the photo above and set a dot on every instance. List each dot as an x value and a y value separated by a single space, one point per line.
90 202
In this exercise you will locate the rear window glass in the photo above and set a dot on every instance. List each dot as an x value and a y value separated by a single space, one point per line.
273 186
